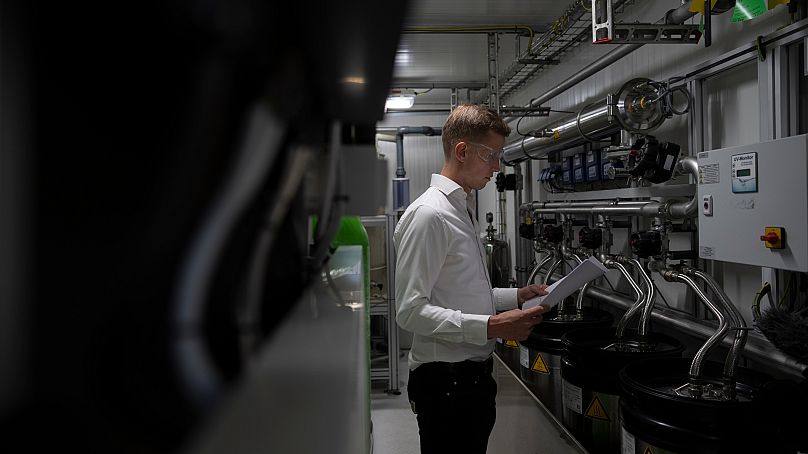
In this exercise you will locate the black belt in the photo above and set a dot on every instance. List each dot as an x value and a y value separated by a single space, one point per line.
462 368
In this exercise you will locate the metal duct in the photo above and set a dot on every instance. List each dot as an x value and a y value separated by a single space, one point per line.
637 107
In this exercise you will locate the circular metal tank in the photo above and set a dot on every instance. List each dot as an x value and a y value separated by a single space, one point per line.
590 383
655 418
497 260
540 354
508 351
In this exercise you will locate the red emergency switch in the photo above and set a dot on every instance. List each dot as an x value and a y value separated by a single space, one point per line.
773 238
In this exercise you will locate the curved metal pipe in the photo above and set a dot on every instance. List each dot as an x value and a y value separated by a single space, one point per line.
638 303
737 322
549 258
689 209
717 337
579 301
757 350
552 269
645 317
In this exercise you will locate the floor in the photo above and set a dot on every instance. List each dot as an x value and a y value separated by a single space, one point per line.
523 425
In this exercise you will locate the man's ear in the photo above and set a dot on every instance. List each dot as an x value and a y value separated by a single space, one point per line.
460 151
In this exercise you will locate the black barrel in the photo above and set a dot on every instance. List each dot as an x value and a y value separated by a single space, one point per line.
656 418
540 355
591 385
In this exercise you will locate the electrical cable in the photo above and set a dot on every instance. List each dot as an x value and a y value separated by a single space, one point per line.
766 289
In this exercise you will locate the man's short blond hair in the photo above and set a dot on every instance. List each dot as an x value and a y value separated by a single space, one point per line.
471 122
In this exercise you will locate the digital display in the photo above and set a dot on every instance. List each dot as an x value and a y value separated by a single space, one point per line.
743 172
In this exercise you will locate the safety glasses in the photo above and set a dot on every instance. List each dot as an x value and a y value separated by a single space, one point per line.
489 156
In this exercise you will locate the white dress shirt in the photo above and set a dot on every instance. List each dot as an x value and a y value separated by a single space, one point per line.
443 291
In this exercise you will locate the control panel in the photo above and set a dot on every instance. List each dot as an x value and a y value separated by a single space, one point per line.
754 204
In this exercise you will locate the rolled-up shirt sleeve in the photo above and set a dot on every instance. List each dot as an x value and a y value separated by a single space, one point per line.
422 243
505 299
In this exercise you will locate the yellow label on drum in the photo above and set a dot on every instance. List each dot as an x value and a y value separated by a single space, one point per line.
539 365
596 410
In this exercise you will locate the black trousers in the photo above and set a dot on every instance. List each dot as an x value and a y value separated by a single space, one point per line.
455 406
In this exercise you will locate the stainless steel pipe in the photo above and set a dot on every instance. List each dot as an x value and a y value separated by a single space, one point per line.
717 337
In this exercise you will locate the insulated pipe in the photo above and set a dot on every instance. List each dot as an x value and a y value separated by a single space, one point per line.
717 337
638 303
738 323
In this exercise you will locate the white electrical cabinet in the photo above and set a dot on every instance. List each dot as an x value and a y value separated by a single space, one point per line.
746 194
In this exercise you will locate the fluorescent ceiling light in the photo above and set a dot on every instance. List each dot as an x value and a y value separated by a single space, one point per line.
399 102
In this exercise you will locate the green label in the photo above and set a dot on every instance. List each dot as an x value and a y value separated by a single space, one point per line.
748 9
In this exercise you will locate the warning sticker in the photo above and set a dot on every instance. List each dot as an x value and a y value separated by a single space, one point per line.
511 343
596 410
571 395
524 356
648 451
540 366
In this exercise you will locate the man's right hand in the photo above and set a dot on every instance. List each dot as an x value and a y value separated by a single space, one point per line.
515 324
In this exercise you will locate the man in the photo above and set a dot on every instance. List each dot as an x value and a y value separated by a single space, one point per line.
444 294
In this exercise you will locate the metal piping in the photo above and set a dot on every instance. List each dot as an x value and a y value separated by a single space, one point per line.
758 351
638 303
400 132
690 209
717 337
556 264
579 300
676 16
737 322
649 209
596 120
549 258
401 184
645 316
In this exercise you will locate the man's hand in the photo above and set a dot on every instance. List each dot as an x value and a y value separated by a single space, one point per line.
515 324
531 291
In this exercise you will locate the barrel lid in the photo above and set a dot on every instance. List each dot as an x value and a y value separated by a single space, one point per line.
654 382
654 412
554 326
599 349
541 342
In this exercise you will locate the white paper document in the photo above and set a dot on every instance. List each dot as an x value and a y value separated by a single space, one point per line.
590 269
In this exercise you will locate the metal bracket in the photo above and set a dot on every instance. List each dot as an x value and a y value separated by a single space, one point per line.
519 111
602 22
656 34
